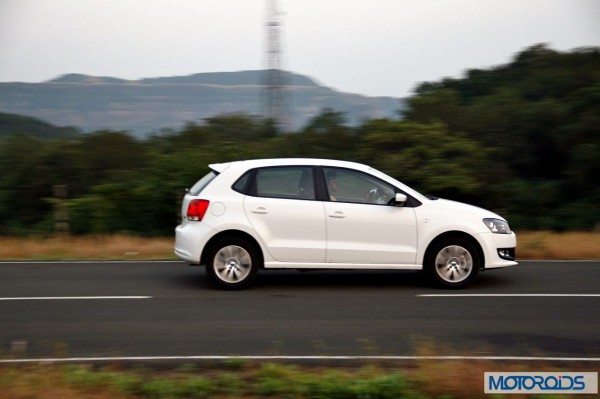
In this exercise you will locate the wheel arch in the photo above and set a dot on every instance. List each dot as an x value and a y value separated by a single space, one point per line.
231 234
457 234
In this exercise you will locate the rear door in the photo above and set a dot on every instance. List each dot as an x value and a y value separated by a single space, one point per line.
282 208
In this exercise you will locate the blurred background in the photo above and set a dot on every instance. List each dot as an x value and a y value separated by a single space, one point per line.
494 103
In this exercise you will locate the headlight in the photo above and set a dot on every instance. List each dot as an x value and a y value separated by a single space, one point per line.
497 226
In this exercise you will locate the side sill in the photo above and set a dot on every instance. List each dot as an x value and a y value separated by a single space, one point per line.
340 266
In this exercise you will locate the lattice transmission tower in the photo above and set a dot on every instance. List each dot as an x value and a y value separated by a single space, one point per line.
275 102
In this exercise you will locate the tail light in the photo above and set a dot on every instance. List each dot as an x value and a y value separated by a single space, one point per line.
196 209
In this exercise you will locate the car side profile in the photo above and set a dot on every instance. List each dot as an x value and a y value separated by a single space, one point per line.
324 214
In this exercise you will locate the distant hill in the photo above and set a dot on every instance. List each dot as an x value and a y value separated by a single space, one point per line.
18 124
245 78
148 105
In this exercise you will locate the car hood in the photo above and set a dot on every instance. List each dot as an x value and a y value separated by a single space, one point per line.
465 208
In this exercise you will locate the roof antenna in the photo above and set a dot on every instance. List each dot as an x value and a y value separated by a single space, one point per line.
237 152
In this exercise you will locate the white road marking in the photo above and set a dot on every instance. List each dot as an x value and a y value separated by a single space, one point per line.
60 298
298 358
69 262
508 295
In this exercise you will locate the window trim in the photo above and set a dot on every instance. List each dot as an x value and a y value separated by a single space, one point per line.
251 188
320 185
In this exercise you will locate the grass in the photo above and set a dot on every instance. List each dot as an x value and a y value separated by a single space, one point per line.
425 379
547 245
114 247
531 245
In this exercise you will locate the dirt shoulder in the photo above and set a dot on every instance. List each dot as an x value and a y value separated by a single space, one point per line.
531 245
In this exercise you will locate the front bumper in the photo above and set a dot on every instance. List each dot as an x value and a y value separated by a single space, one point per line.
491 244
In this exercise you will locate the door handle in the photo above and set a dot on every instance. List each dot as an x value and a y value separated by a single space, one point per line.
337 215
260 210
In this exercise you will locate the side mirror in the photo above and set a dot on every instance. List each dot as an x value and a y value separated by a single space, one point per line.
400 199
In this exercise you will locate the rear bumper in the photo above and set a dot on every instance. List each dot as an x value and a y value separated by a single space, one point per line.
190 240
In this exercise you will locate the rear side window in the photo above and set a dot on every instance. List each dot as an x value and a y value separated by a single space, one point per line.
286 182
202 183
291 182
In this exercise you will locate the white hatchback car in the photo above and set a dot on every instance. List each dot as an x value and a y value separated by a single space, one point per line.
323 214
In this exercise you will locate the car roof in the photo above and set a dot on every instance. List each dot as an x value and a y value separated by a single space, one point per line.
259 163
239 167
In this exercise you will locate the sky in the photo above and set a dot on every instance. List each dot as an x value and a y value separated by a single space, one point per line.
369 47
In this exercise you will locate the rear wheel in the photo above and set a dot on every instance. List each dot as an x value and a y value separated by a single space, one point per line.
452 263
232 263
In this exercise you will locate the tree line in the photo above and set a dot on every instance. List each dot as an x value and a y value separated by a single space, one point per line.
521 139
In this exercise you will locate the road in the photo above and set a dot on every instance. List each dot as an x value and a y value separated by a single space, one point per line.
133 309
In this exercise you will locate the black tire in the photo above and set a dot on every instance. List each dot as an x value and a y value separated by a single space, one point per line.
452 263
232 263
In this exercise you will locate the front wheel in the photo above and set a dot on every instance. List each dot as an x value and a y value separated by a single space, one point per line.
452 263
232 263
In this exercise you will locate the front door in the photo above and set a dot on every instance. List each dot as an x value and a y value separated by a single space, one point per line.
362 225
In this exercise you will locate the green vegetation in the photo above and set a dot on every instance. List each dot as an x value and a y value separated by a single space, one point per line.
521 139
538 119
425 379
267 381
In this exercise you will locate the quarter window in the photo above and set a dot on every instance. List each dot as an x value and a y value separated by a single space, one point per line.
242 184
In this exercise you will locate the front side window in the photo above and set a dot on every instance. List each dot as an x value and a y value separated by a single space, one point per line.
293 182
346 185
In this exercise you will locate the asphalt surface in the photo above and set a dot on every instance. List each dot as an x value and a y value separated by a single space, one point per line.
169 309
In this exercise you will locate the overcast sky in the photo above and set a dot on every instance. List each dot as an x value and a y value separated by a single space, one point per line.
372 47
